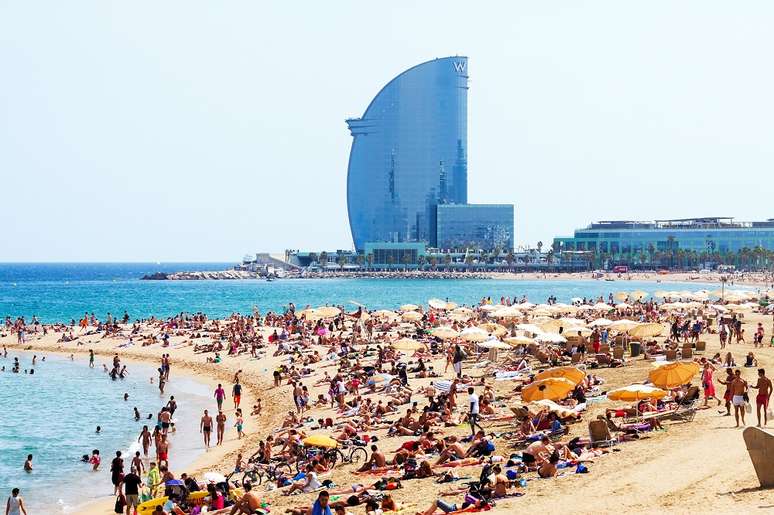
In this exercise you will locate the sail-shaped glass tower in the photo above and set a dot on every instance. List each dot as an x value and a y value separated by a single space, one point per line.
409 154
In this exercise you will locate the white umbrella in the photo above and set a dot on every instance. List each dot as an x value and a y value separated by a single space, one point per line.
474 334
530 328
600 322
409 307
550 338
493 344
437 303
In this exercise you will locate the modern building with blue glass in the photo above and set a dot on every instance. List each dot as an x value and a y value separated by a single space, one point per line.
708 235
409 155
480 226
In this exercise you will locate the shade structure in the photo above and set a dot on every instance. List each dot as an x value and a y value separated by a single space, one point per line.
638 294
384 313
552 388
407 344
509 312
600 322
601 306
530 328
518 340
437 304
646 330
541 312
674 374
474 334
550 338
445 333
552 326
623 325
320 441
409 307
575 329
572 374
621 296
309 314
411 316
328 311
636 392
492 328
493 344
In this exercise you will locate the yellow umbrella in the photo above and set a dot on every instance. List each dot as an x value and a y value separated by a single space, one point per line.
572 374
200 494
309 314
444 333
638 294
673 374
149 506
552 326
553 388
646 330
623 325
409 307
621 295
492 328
328 311
411 316
636 392
407 344
320 441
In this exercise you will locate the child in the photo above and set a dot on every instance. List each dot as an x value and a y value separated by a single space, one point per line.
95 459
239 423
238 466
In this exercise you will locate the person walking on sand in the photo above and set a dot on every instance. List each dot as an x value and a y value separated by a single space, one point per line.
708 384
220 394
239 423
727 393
15 504
220 420
145 437
205 428
738 393
764 394
236 392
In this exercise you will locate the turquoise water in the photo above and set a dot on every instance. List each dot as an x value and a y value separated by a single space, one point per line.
63 292
53 415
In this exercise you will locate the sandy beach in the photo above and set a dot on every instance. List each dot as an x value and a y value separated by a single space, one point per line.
698 467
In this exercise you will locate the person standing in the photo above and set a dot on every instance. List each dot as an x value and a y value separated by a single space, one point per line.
132 484
236 392
205 427
738 394
473 411
459 356
220 420
91 358
220 394
727 394
15 504
764 394
708 384
117 472
145 437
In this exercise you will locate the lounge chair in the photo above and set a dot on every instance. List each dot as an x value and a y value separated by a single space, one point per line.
599 434
687 352
686 408
701 346
618 353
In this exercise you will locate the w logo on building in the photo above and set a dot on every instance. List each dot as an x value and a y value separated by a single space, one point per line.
459 66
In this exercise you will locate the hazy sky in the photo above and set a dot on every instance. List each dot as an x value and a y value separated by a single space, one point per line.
185 130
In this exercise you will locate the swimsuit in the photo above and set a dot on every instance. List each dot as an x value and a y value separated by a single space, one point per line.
738 400
762 400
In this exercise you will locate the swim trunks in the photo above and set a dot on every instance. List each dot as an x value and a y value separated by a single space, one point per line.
762 400
738 400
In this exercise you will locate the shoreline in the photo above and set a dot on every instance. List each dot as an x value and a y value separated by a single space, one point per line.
214 458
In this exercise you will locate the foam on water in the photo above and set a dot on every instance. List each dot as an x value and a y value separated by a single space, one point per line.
53 415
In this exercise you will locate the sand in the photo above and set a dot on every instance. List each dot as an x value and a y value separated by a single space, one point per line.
697 467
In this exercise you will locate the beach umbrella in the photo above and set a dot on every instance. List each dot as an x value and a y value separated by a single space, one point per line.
646 330
407 344
318 440
444 332
621 295
450 305
492 328
487 308
601 306
541 313
552 388
409 307
214 477
636 392
623 325
552 326
638 294
508 312
462 311
550 338
572 374
600 322
530 328
328 311
575 329
411 316
526 305
518 340
565 308
494 344
437 304
199 494
674 374
309 314
474 334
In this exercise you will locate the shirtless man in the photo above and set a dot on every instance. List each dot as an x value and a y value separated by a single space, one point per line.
162 450
762 399
537 452
377 460
249 502
453 449
166 419
727 394
145 436
205 427
220 420
738 389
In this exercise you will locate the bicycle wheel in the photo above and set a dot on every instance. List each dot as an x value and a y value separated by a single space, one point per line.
300 463
283 469
255 477
358 454
335 456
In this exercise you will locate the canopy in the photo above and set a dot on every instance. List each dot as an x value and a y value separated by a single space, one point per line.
552 388
411 316
572 374
550 338
600 322
494 344
328 311
407 344
636 392
409 307
492 328
646 330
623 325
474 334
444 332
674 374
320 441
437 304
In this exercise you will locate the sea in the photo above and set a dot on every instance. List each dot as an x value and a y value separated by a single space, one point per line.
63 292
53 414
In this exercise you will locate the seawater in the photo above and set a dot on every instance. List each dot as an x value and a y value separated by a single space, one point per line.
53 415
61 292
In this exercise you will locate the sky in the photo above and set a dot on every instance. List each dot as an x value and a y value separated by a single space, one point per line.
202 131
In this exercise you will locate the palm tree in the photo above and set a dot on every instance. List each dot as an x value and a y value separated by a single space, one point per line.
433 262
509 258
421 260
406 259
540 246
313 257
370 260
341 261
390 259
360 259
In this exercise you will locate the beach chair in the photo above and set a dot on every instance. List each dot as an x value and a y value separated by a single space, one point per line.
618 353
575 358
671 355
686 408
603 360
599 434
687 352
604 349
701 346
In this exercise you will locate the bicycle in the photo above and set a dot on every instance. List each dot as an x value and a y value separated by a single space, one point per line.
354 454
256 472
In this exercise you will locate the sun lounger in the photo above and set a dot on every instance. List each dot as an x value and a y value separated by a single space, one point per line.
599 434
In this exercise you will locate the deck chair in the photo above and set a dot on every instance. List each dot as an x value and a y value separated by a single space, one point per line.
618 353
576 358
687 352
686 408
599 434
603 360
671 355
604 349
701 346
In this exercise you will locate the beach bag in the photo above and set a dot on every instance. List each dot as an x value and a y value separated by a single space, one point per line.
747 408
